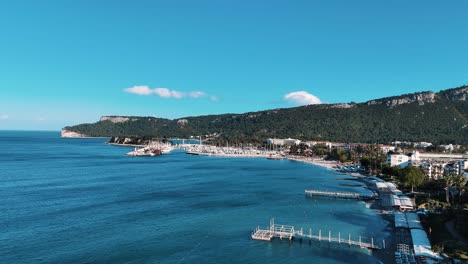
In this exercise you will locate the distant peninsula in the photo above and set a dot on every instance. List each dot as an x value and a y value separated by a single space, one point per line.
437 117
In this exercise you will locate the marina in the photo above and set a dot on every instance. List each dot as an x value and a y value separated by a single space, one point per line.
152 149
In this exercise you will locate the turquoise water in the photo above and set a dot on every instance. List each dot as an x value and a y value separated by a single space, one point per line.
82 201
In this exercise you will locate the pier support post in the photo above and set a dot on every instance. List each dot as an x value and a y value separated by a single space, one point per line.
383 243
349 239
360 243
339 239
329 238
372 242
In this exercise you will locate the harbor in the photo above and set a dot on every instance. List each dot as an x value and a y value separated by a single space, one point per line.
152 149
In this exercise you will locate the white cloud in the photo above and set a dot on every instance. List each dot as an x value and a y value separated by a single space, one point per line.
197 94
214 98
164 92
302 98
4 117
141 90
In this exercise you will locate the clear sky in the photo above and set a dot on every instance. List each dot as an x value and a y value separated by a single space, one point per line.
67 62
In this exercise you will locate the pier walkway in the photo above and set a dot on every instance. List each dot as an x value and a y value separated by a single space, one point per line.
339 195
289 232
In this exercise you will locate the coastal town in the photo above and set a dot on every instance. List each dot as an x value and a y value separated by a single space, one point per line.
234 132
419 191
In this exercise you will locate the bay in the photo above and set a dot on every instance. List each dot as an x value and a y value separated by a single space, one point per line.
83 201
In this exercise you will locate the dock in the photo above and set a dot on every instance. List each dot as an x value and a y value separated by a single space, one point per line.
291 233
339 195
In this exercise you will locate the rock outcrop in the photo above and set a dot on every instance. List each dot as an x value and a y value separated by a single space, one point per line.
420 98
71 134
115 119
458 94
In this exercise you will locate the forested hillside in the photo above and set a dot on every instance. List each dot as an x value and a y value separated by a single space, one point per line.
434 117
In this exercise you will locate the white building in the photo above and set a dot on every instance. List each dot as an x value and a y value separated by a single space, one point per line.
398 160
423 144
283 142
313 143
417 156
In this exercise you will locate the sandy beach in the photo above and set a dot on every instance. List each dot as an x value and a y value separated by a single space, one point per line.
315 161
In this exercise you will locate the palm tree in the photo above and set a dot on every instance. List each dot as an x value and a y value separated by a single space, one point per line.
460 181
448 180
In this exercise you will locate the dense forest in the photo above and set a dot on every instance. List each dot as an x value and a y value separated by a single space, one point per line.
440 118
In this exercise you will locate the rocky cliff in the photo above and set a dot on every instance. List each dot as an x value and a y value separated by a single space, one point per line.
71 134
420 98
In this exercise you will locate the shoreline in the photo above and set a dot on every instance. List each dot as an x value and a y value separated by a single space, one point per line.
317 162
384 255
314 161
125 145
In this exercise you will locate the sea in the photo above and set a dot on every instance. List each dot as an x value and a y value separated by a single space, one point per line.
68 200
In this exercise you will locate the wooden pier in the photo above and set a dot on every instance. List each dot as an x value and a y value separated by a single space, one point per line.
290 233
339 195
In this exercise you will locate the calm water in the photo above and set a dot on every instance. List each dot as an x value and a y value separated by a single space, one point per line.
82 201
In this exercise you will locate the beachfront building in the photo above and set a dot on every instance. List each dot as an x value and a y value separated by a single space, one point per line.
434 170
389 187
402 202
409 231
418 156
283 142
398 160
328 144
422 144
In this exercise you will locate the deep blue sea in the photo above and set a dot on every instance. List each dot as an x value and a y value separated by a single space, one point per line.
83 201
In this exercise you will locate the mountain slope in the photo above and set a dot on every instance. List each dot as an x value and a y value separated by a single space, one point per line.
435 117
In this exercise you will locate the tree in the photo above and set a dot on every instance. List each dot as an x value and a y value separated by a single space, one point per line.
320 150
412 176
460 181
449 180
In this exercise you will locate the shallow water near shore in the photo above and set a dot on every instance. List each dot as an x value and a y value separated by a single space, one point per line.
83 201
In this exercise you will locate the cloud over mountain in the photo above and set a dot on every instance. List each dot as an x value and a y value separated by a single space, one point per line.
301 98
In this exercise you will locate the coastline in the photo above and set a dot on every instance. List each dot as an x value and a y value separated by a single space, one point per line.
384 255
125 145
318 162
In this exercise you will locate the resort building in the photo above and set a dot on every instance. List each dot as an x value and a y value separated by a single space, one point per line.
283 142
402 203
412 242
435 169
398 160
418 156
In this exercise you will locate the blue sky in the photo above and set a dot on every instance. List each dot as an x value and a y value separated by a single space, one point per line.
68 62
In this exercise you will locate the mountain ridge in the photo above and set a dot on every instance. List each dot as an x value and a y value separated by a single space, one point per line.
440 117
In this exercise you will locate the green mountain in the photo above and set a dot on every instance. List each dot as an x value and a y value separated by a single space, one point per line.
426 116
